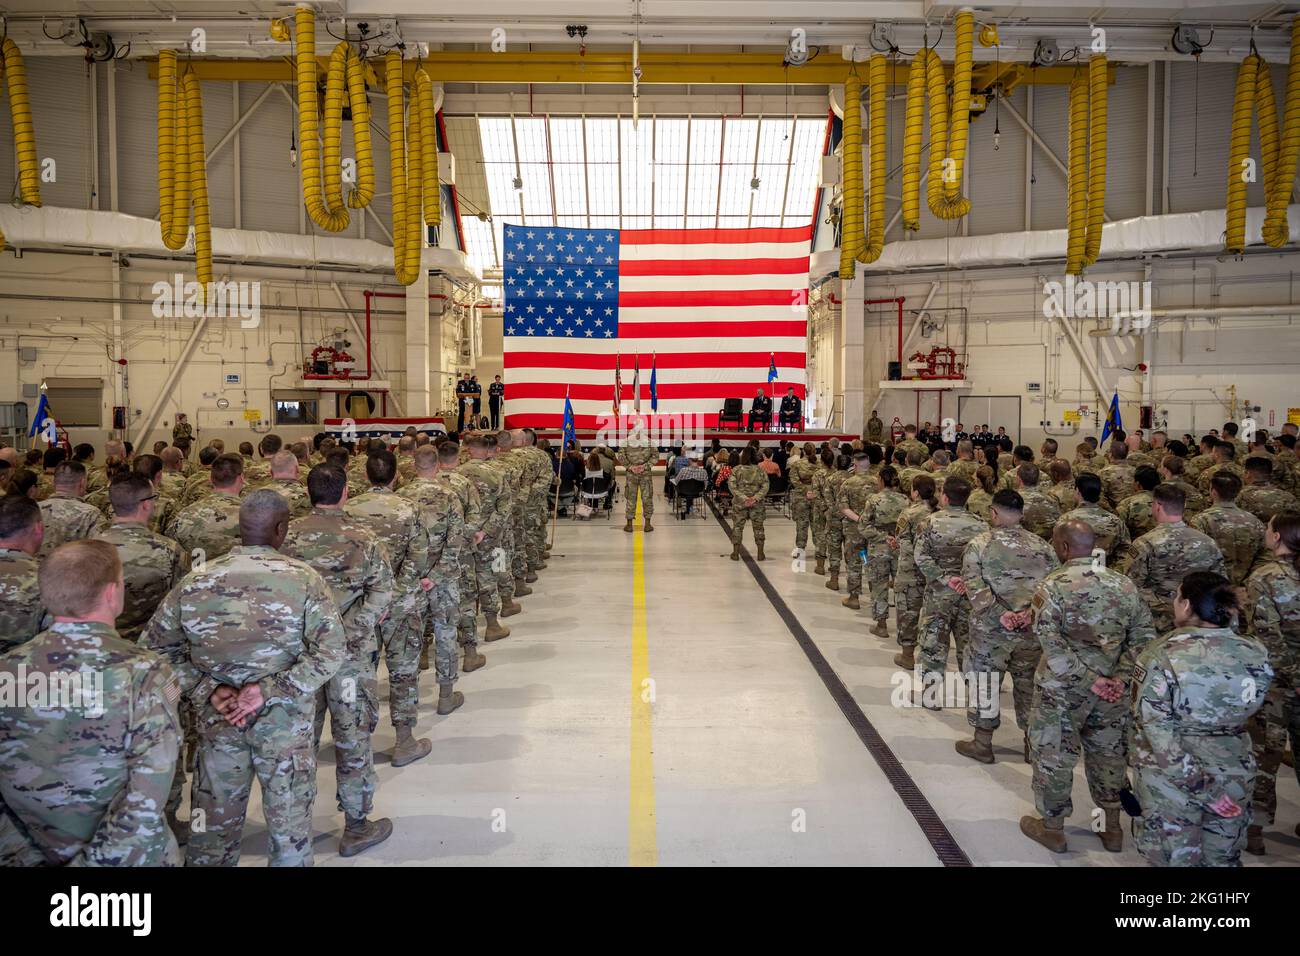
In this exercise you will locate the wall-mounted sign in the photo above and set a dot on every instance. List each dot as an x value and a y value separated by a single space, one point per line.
233 378
1071 416
252 414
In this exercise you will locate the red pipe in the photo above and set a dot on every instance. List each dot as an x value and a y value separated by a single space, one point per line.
898 302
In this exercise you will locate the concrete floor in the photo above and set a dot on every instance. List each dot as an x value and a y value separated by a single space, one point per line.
753 762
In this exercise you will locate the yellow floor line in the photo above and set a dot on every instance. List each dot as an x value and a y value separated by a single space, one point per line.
642 849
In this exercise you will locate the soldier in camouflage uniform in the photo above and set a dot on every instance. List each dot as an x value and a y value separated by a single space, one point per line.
965 465
259 472
65 516
1261 497
1161 558
209 527
1091 624
480 492
876 526
540 477
913 460
1062 489
637 460
199 484
285 482
253 636
1286 467
151 564
172 482
1110 533
941 540
835 520
1000 569
54 457
875 430
1116 476
980 502
1172 471
910 444
1041 512
83 779
801 471
512 465
1199 462
354 566
1272 616
824 470
1237 532
1136 510
20 597
860 485
164 509
1194 692
749 485
908 583
395 523
492 557
441 470
1224 455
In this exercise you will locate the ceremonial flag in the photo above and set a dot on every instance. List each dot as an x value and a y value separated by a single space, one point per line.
712 300
771 370
38 422
570 432
1113 422
654 385
636 383
618 381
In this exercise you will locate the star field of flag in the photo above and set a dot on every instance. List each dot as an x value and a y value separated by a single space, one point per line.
560 282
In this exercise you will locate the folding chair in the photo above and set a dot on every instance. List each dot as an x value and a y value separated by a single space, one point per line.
687 492
778 492
594 494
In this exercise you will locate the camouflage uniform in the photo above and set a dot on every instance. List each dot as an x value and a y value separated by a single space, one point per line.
875 430
834 520
853 495
1117 483
541 478
258 472
252 616
1193 467
1272 616
85 784
905 476
748 481
513 467
909 445
1195 503
20 599
471 508
1111 533
1041 512
1194 691
151 566
1136 513
1001 568
1265 500
1161 558
44 485
395 522
172 484
980 504
1064 494
641 484
908 583
291 490
444 525
1238 533
801 472
819 520
1205 477
878 522
209 527
354 566
1090 622
495 584
1286 471
940 541
68 519
963 468
197 487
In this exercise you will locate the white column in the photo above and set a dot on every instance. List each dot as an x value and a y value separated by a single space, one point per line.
852 355
418 397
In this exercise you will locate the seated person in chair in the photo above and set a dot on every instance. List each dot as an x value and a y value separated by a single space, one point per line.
693 471
760 412
791 410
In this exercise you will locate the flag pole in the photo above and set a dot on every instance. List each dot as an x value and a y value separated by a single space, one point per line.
559 482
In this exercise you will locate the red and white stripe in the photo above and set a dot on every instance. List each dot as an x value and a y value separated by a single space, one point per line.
714 304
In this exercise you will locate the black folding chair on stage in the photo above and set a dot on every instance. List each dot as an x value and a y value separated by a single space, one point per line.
732 412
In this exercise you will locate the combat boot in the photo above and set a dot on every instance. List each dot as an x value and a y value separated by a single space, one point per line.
510 608
760 556
448 699
473 659
408 749
852 602
495 631
521 588
1049 832
530 577
424 658
981 748
821 566
833 582
1112 838
881 627
361 834
735 552
1254 839
648 526
628 527
906 658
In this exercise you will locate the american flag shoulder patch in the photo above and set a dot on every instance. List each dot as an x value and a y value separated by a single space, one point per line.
172 689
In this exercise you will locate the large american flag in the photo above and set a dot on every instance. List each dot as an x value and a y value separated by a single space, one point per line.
712 307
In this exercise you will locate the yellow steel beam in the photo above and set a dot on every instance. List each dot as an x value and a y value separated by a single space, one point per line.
697 69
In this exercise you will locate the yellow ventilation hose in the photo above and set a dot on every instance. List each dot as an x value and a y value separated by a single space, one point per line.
877 88
1276 229
949 129
405 240
182 166
1254 93
20 113
851 232
428 148
1086 198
